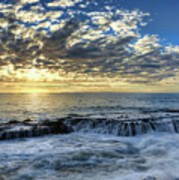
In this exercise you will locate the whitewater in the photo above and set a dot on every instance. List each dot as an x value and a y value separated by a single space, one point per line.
102 145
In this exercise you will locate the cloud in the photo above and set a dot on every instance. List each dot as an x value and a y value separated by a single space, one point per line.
62 3
146 44
67 40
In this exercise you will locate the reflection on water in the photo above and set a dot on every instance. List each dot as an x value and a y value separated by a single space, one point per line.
42 106
35 106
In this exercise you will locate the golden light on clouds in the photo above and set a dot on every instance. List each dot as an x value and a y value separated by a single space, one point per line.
38 75
50 49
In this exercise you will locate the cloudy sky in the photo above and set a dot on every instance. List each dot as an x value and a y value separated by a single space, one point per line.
89 45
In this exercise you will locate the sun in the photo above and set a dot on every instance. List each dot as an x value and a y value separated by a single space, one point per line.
33 74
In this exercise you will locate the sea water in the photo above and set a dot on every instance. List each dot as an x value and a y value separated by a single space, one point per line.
89 155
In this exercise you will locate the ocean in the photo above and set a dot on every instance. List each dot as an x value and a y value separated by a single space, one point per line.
145 147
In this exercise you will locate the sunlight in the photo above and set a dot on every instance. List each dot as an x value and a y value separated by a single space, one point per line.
33 74
33 90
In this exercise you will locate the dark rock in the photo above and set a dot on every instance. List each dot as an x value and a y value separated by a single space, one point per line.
121 127
28 128
126 130
172 110
77 120
13 122
57 127
27 120
133 129
152 126
145 120
63 119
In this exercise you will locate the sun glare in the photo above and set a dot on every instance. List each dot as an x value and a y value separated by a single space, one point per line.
33 90
41 75
33 74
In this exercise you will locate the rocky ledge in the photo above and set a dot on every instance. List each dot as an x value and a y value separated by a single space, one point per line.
74 123
122 128
28 128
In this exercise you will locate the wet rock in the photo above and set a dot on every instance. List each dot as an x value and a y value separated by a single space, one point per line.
77 120
172 110
14 122
27 121
28 128
57 127
122 128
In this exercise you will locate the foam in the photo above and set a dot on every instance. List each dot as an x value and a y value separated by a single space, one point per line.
92 157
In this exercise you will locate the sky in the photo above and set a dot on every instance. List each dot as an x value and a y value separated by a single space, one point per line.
89 46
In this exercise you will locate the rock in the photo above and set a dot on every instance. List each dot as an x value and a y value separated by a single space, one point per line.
28 128
14 122
57 127
121 127
27 121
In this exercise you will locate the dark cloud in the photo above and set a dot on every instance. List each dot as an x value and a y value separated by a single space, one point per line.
102 43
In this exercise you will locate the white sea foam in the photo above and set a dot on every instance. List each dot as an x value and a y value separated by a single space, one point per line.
91 157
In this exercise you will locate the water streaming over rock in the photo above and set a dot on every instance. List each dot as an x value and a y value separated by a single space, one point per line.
28 128
122 128
76 123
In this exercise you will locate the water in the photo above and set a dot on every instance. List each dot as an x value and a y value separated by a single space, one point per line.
123 105
91 155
